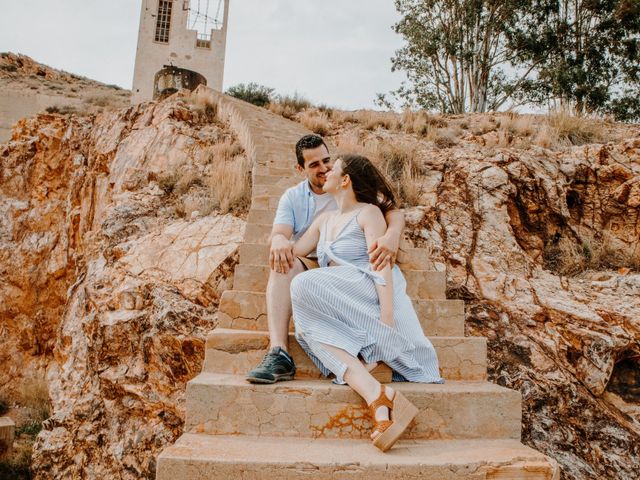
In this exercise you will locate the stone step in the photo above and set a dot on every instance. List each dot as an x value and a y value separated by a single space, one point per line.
254 253
277 171
261 216
238 351
248 311
258 253
257 233
219 457
284 181
421 284
227 404
265 201
258 190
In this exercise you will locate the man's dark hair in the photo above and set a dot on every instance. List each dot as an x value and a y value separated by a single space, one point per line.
308 142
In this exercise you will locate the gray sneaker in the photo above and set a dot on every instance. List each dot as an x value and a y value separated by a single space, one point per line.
276 366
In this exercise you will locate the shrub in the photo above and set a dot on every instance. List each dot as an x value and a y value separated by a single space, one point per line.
316 121
99 100
204 105
289 106
34 394
62 109
9 68
230 185
442 138
400 164
252 92
567 129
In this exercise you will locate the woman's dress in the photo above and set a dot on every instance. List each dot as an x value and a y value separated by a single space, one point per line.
339 306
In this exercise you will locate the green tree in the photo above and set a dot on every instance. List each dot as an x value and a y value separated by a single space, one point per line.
457 55
252 92
587 54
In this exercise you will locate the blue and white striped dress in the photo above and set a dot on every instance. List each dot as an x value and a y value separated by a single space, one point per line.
339 306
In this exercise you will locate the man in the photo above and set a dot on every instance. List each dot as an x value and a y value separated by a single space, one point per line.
296 211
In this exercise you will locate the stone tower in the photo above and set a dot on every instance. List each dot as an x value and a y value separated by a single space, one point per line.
186 34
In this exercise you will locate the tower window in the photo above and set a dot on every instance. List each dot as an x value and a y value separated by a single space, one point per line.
163 21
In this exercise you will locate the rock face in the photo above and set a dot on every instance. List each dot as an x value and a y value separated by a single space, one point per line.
503 225
28 87
111 289
108 288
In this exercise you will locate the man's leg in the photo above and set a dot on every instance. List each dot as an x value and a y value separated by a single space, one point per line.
277 364
279 305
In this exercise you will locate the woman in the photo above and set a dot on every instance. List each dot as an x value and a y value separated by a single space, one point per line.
349 312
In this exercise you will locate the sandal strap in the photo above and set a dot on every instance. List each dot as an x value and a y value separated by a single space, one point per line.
381 401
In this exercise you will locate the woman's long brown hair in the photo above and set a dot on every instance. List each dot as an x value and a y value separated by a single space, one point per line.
369 184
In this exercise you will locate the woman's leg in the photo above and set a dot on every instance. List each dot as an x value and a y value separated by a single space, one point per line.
358 377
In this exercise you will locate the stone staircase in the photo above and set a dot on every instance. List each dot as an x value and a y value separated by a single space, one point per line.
467 428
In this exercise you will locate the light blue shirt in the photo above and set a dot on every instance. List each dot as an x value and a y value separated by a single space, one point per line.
297 207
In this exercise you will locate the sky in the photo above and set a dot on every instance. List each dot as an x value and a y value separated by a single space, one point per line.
333 52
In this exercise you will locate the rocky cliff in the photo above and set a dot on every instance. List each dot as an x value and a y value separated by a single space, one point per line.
110 285
543 244
114 254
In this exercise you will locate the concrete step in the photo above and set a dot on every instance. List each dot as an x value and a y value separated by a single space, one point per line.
221 457
238 351
258 190
261 216
227 404
258 253
265 201
286 180
247 311
281 172
421 284
257 233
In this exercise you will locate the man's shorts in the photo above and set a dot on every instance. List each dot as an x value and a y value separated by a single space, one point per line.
309 263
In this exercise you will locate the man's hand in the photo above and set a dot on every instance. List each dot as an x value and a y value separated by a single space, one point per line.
281 254
384 251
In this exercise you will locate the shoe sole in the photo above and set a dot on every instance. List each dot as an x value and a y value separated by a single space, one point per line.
278 378
402 414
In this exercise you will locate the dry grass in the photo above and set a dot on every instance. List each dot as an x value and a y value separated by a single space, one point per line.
100 101
289 106
31 399
204 105
568 258
420 122
220 181
34 394
443 137
399 162
316 121
562 130
230 185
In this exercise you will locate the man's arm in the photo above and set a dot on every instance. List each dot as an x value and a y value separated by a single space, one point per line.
385 249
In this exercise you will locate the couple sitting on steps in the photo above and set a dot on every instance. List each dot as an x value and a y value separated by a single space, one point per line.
355 319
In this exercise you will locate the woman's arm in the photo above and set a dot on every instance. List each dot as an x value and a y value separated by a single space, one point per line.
372 222
309 241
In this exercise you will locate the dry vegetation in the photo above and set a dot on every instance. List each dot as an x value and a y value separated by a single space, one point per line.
28 407
570 258
220 183
219 179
